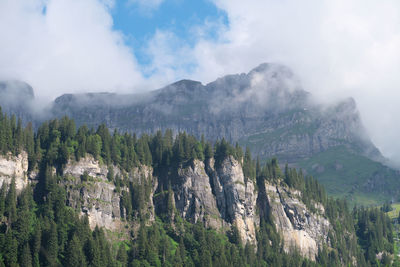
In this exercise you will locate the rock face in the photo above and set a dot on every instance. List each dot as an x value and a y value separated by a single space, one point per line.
14 166
300 228
95 195
219 197
236 198
193 195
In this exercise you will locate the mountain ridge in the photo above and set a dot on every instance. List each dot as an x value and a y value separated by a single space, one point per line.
266 110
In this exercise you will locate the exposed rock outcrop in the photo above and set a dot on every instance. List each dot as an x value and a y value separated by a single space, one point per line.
193 195
97 197
14 166
300 228
218 196
236 198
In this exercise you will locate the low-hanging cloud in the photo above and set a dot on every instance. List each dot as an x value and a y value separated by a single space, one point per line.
61 46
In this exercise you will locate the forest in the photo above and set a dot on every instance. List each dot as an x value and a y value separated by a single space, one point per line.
38 228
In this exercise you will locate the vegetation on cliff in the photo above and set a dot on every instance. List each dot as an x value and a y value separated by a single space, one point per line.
38 228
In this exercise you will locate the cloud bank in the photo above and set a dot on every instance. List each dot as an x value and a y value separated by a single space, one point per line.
337 48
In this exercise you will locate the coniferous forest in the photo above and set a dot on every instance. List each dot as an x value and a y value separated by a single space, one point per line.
39 228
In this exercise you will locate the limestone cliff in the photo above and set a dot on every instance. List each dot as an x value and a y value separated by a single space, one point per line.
193 195
95 195
236 197
301 229
218 196
14 166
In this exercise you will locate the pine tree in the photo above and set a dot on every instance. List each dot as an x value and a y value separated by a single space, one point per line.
26 257
10 250
92 252
36 244
110 174
52 245
3 193
23 223
122 255
11 202
74 254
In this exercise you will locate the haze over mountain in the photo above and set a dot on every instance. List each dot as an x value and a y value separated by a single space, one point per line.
266 110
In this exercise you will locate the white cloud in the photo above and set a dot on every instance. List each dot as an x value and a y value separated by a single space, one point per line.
337 48
61 46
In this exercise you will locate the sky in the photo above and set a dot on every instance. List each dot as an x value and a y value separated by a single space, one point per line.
338 48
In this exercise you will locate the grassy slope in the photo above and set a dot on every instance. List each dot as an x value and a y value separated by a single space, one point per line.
355 177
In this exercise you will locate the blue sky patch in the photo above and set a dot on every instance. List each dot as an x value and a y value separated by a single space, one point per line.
176 16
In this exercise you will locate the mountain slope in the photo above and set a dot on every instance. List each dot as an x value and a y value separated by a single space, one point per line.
265 110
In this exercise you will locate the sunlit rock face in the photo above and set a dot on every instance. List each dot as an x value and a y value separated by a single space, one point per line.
218 196
14 166
96 196
300 228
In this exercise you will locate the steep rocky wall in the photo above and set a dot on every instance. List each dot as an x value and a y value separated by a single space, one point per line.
219 197
194 198
236 198
16 166
97 197
300 228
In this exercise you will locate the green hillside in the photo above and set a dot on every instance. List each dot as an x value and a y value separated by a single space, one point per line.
346 174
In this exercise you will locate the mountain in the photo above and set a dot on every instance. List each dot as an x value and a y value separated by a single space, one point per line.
92 198
266 110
